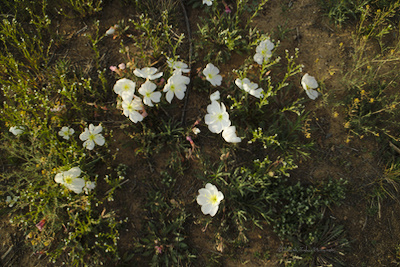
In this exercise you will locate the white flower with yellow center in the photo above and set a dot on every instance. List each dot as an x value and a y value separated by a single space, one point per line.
176 85
147 73
217 118
91 136
209 199
263 51
211 73
70 179
66 132
125 88
131 109
309 83
178 66
149 96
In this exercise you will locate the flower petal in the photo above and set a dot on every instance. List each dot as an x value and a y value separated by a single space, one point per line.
89 144
85 135
99 139
213 210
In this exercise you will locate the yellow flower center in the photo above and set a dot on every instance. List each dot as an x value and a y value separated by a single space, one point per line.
68 179
213 199
126 87
92 137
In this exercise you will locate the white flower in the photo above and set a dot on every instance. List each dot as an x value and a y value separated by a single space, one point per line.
131 108
92 136
229 134
241 82
110 31
17 130
215 96
211 73
178 66
70 179
249 87
149 96
309 83
263 51
208 2
125 88
217 118
147 73
11 201
176 85
89 186
209 199
66 132
195 130
257 92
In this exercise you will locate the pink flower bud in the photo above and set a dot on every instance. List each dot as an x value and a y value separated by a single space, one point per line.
41 224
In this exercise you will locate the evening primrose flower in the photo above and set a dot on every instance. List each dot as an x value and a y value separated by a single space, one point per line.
215 96
178 66
208 2
110 31
249 87
241 82
91 136
309 83
195 130
229 134
211 73
252 88
17 130
147 73
176 85
149 96
263 51
66 132
89 186
131 108
70 179
209 199
125 88
217 118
